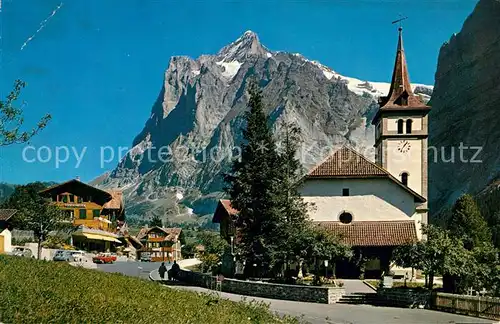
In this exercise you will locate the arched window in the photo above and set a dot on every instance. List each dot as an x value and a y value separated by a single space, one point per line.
400 126
408 126
404 178
345 217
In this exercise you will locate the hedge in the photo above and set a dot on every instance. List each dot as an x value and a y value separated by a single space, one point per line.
33 291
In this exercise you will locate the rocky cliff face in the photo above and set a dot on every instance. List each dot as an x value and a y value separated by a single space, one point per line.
465 107
195 124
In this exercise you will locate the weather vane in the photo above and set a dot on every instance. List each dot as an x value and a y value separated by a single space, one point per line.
400 20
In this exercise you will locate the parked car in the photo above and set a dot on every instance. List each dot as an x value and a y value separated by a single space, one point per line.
145 257
77 256
62 255
22 252
104 258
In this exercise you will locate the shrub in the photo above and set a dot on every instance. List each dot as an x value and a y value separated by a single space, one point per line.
33 291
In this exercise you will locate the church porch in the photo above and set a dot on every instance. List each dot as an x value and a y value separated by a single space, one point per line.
373 243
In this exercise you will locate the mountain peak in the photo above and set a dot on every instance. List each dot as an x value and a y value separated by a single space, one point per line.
247 44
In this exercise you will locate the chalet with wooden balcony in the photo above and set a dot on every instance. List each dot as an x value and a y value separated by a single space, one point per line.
96 213
163 244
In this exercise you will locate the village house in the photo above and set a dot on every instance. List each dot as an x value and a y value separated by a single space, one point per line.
372 206
5 234
162 244
97 214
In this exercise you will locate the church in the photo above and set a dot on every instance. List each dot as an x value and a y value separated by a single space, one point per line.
372 206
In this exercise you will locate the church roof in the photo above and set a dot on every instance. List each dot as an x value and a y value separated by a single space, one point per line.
401 96
374 233
347 163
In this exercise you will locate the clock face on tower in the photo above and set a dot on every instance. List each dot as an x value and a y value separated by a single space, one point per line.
404 146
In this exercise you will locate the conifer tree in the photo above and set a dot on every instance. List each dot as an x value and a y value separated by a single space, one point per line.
252 186
293 209
155 221
467 222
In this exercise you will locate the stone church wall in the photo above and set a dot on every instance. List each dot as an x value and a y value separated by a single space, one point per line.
368 200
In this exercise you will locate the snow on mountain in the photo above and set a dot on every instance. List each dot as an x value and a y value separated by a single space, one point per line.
230 68
198 116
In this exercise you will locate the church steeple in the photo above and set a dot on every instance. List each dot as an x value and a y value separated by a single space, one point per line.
400 94
401 128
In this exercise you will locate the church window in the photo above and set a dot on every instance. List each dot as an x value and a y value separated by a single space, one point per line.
404 178
400 126
345 218
345 192
408 126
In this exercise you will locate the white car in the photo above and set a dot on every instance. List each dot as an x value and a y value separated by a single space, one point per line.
78 256
21 251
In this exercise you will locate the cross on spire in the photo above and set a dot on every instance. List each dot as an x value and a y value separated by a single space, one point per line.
400 21
400 93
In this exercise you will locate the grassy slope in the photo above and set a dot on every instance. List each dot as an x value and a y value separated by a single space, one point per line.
34 291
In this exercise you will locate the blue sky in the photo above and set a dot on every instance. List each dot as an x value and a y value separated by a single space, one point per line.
97 66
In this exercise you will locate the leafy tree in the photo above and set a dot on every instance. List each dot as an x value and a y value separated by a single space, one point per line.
252 186
484 269
466 221
11 119
155 221
318 244
214 248
189 250
26 199
35 212
441 253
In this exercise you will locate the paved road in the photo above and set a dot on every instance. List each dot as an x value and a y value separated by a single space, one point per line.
353 314
317 313
356 286
132 268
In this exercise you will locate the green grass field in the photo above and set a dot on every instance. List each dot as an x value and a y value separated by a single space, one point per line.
34 291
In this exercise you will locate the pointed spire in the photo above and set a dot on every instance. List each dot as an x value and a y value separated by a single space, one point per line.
400 77
400 93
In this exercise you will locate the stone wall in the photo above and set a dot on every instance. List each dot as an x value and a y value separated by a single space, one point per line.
405 297
325 295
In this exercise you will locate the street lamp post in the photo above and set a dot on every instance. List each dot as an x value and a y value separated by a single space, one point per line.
232 245
326 268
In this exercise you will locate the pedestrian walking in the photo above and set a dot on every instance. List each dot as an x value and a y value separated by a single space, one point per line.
162 270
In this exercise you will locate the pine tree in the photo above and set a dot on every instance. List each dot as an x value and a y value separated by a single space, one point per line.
252 186
293 209
467 222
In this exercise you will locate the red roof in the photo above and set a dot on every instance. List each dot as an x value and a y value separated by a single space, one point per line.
226 203
223 209
374 233
347 163
401 94
172 233
400 97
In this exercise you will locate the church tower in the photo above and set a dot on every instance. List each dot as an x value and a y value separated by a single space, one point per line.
401 129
